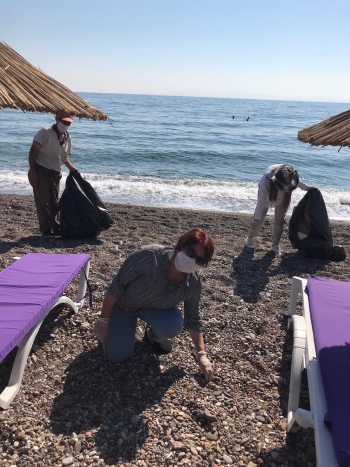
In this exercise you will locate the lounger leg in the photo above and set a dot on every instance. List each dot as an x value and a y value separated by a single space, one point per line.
298 362
84 275
297 286
24 348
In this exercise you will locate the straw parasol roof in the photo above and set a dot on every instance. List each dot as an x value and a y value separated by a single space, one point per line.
24 87
334 131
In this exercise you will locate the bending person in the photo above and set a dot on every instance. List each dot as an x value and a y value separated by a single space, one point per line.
150 284
275 190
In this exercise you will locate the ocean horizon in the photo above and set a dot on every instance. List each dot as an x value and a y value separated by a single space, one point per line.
185 152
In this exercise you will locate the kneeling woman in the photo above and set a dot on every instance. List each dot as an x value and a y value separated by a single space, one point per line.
150 284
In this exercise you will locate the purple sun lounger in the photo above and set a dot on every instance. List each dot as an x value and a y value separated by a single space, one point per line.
29 289
322 347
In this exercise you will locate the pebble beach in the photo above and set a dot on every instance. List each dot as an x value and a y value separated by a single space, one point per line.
76 409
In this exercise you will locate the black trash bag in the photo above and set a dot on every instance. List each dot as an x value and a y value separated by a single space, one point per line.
310 231
82 213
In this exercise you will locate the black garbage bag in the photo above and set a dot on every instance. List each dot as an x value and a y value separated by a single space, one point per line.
310 231
82 213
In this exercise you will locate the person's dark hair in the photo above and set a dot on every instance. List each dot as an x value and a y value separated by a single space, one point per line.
286 200
285 178
287 196
194 236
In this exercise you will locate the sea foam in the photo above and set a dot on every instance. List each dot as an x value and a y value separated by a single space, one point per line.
188 193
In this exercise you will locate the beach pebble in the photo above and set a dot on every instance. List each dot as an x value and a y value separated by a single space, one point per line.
212 436
210 416
260 418
67 461
77 447
177 445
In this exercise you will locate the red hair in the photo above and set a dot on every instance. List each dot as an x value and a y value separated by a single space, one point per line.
194 236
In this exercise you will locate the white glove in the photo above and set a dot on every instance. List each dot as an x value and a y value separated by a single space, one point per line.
205 365
100 330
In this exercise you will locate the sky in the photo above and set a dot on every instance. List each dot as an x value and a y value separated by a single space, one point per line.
260 49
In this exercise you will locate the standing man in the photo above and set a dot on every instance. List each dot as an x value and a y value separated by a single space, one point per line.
49 151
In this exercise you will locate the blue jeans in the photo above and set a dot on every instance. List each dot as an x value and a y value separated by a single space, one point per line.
120 341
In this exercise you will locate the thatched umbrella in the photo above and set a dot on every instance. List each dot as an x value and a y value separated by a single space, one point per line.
334 131
24 87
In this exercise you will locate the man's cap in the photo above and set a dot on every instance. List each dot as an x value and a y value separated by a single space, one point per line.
285 178
65 118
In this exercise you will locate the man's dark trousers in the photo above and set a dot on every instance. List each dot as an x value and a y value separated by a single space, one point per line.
46 199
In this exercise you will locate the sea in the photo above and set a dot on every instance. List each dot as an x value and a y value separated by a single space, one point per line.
185 152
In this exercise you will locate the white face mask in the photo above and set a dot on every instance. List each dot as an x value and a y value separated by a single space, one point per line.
61 127
183 263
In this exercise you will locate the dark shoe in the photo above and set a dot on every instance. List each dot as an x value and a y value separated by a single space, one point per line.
47 233
160 348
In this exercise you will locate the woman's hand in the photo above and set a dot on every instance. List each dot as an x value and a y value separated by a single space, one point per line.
203 362
205 365
100 330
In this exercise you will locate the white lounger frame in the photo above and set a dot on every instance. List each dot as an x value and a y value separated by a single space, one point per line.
25 346
304 357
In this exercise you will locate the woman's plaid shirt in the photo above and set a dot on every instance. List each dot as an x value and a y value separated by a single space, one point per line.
143 282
